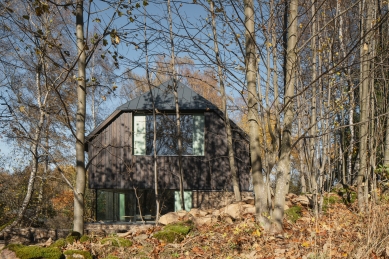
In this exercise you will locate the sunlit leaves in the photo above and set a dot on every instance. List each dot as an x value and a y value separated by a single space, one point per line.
114 37
41 8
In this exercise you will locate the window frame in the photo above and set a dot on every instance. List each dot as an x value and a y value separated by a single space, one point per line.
198 113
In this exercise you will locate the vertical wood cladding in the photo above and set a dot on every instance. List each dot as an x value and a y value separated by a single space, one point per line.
114 167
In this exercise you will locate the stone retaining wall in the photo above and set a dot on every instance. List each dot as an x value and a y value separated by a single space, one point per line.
27 236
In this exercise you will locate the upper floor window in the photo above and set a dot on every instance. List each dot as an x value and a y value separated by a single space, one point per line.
192 132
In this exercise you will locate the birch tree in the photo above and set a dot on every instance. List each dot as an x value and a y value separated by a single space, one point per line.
231 158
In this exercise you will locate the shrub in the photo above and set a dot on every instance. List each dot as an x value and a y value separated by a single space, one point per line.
175 232
293 213
36 252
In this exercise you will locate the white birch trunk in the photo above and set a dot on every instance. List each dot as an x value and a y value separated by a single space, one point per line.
79 191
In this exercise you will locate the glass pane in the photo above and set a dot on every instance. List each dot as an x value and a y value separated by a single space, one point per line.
122 206
192 131
104 205
198 134
187 200
139 135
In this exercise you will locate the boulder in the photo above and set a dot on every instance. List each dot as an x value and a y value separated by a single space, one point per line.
198 212
182 213
248 209
209 219
228 219
249 201
290 196
302 199
234 210
169 218
289 203
216 213
7 254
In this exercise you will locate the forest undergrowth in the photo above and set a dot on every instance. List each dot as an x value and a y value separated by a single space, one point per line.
339 232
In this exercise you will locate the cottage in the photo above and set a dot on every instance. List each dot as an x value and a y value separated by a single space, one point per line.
120 151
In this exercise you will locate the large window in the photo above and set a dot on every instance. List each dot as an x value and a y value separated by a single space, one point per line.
126 205
192 131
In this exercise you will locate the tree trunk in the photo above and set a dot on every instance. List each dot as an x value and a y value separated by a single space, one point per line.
364 107
284 166
386 155
157 211
35 140
231 157
312 142
251 73
178 123
79 191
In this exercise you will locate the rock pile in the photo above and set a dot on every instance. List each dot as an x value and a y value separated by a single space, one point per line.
231 212
228 214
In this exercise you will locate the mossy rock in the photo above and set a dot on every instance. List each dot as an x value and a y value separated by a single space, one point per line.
84 239
117 241
70 254
36 252
293 213
112 257
59 243
175 232
72 237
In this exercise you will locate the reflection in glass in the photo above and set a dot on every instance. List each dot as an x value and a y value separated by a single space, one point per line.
192 132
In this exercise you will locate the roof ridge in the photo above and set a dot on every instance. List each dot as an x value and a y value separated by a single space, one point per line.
189 99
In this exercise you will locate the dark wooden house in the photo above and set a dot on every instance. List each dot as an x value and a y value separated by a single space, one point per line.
120 151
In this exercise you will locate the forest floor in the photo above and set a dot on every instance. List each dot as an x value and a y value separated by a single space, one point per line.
339 232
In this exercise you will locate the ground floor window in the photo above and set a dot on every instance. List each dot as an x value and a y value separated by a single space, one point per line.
187 200
130 205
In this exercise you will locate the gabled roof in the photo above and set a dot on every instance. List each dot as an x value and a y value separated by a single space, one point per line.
164 99
163 95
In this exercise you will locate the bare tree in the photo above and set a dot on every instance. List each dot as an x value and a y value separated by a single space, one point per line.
231 158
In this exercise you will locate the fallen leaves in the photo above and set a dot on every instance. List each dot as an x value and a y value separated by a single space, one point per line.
339 233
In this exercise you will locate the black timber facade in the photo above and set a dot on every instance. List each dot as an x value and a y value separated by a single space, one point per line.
114 166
